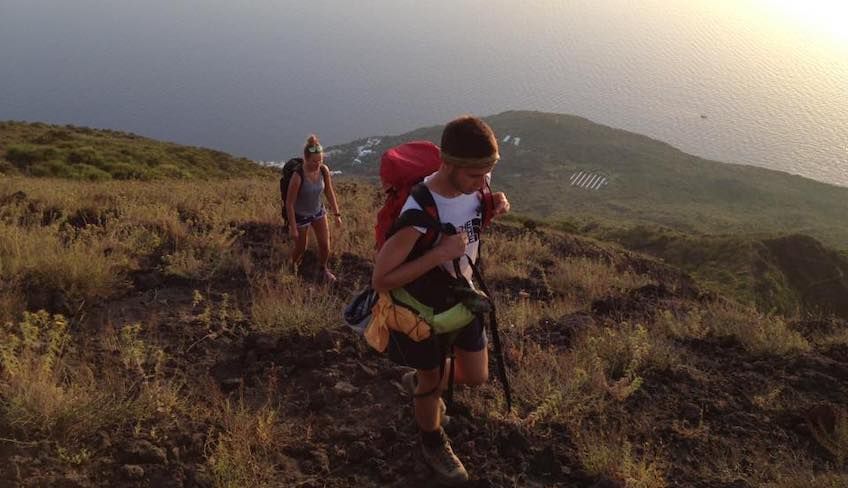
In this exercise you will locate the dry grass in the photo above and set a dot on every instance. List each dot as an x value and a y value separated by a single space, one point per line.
71 265
612 455
604 366
290 306
46 391
757 332
834 438
587 279
245 451
509 257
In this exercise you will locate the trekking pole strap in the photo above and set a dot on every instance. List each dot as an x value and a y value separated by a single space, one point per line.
449 394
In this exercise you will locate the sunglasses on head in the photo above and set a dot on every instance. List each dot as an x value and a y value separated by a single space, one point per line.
314 149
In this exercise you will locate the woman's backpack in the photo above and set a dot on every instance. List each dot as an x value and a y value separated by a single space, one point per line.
292 166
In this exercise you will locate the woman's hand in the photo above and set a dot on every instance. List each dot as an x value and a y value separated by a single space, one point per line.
293 233
338 220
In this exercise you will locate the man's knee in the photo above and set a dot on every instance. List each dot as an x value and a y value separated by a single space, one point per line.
477 376
428 380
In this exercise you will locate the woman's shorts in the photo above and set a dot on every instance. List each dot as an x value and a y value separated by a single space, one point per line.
306 221
428 353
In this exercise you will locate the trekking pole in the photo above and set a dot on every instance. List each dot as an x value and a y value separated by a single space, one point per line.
496 340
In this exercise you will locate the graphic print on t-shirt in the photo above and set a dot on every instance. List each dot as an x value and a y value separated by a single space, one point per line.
465 214
472 228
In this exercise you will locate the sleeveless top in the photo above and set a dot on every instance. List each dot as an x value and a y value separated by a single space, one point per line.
308 201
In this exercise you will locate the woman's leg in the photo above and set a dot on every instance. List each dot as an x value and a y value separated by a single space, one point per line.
299 246
322 234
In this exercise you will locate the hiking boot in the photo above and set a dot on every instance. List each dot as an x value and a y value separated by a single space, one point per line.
410 383
438 454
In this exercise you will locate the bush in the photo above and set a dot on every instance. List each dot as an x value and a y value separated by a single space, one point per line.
85 155
7 168
126 171
23 155
170 171
53 169
91 173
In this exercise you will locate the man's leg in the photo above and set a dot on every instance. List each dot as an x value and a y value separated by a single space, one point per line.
472 367
427 406
435 445
472 357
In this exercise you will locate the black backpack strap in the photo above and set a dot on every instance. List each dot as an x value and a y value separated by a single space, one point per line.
424 199
426 217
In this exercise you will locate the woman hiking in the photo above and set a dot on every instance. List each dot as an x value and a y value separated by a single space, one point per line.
304 208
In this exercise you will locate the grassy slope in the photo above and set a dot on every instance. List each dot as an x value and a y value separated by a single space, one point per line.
38 149
650 181
217 367
789 274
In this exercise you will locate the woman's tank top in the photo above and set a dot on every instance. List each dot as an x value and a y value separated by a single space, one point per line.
309 197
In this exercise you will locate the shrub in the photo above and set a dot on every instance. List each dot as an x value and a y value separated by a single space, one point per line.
244 452
54 168
612 455
23 155
292 307
90 173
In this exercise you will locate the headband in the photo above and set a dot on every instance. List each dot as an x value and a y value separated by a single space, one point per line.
471 162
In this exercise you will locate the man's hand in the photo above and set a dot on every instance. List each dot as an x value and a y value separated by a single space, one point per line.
293 232
501 204
338 220
452 246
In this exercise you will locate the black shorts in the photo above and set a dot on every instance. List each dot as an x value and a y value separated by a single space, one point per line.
427 353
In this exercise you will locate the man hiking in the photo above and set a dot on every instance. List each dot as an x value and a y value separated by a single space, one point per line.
469 152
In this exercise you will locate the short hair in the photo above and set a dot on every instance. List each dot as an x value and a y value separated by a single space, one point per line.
469 137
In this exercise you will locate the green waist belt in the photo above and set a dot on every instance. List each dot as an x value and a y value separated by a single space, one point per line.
450 320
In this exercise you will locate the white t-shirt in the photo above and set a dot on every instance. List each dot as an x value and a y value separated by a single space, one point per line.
464 212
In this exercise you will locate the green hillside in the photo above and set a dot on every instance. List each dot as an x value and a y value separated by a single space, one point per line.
647 181
44 150
787 274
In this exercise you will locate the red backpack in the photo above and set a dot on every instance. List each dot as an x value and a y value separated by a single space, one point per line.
401 169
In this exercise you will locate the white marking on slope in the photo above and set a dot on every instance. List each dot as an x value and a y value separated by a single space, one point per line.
583 179
574 177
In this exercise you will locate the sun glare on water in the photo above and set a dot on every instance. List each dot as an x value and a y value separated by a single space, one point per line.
826 17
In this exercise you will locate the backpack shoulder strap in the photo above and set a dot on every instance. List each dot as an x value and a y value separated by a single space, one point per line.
427 216
425 200
487 204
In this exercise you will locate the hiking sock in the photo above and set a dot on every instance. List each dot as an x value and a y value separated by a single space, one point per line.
434 438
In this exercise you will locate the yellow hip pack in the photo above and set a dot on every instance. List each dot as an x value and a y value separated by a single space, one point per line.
399 311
